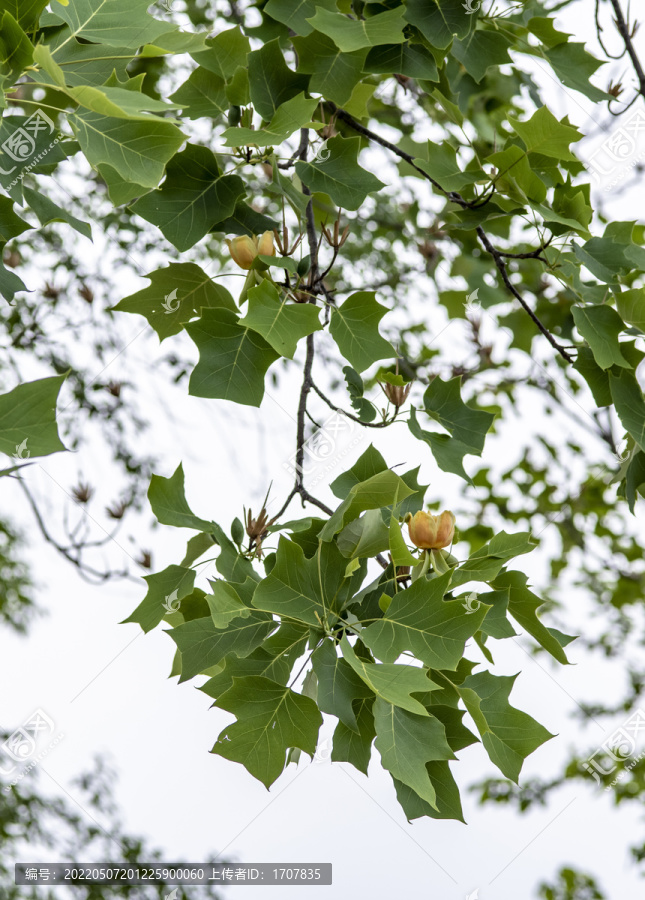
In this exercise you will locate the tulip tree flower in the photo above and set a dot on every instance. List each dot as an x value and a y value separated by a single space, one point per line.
430 532
244 249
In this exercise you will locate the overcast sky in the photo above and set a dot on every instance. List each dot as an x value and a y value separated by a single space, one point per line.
105 685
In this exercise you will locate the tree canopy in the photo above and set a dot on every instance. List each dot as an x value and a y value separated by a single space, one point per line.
322 189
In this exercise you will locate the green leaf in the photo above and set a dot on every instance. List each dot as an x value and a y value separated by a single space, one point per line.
194 196
596 378
119 23
542 133
202 95
442 165
333 74
508 734
420 620
295 14
271 718
137 149
355 34
447 799
338 685
281 324
168 587
225 604
119 102
631 306
399 551
379 491
629 403
226 52
364 537
48 211
442 402
245 220
85 63
485 564
11 225
391 683
480 50
168 502
301 588
16 50
515 176
177 293
355 747
271 81
291 116
202 645
368 464
600 326
233 359
439 20
258 663
354 327
26 12
10 283
339 175
28 419
574 67
413 60
523 606
406 743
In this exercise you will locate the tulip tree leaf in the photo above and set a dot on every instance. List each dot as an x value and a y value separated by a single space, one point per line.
225 53
233 359
271 81
419 620
333 74
523 605
291 115
203 645
542 133
28 419
382 489
176 294
138 149
390 682
271 718
194 196
600 327
440 20
355 34
168 587
300 588
202 94
508 734
167 498
120 23
339 175
355 747
338 685
629 403
280 323
631 306
354 327
407 742
447 800
295 14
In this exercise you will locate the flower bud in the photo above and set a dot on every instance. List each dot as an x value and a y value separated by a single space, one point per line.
265 244
243 251
431 532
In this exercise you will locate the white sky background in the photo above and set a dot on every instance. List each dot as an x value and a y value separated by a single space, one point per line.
158 734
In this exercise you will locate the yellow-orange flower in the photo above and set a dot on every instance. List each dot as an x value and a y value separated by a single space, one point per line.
244 249
431 532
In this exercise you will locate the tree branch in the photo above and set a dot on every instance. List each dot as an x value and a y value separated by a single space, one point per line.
621 24
498 256
498 259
